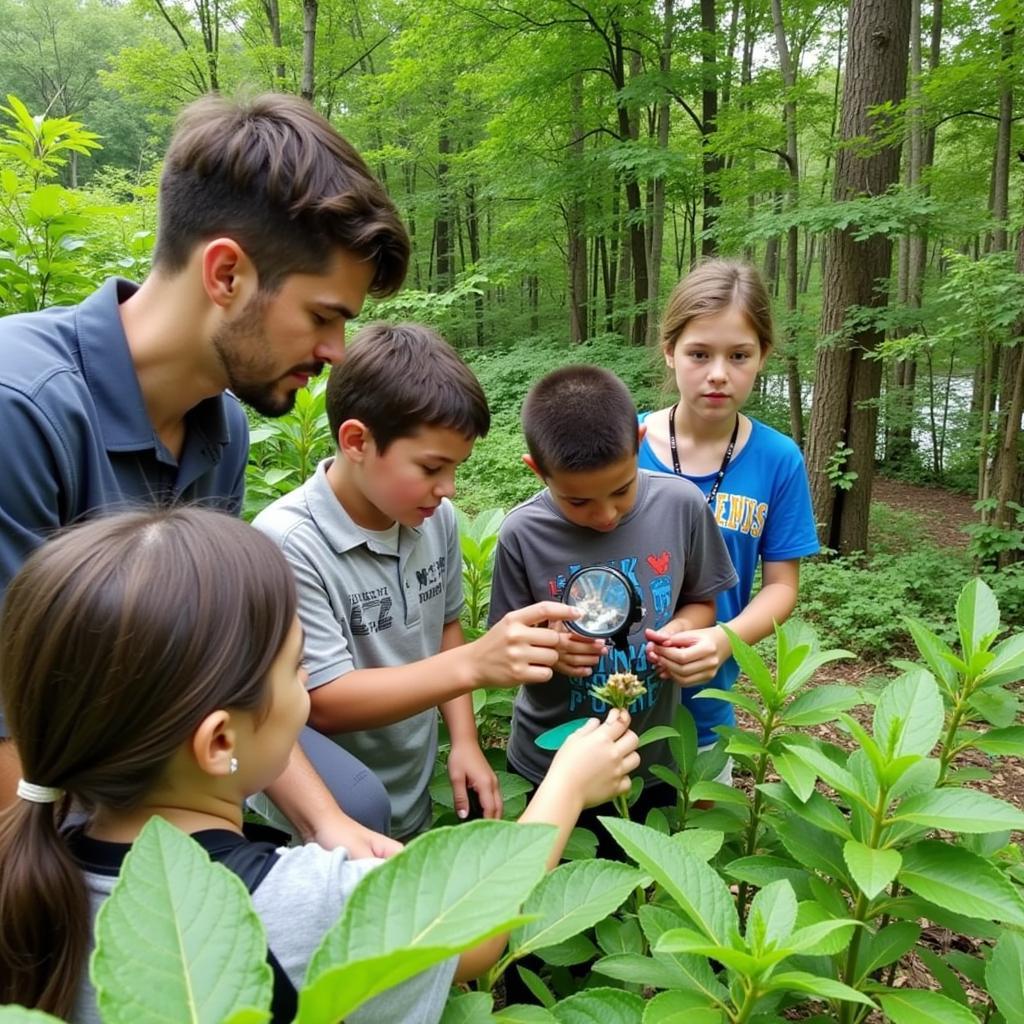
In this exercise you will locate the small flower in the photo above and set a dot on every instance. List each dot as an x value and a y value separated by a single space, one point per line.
620 690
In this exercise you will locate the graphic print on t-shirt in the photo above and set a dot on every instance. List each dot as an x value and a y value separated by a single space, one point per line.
370 611
740 514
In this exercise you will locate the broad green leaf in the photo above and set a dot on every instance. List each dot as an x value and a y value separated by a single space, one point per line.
535 983
692 973
571 898
636 969
909 715
686 941
718 792
577 950
1007 664
959 810
812 847
971 967
599 1006
977 615
468 1008
828 771
963 882
822 704
407 902
997 706
810 664
524 1013
19 1015
826 926
886 947
871 869
817 809
753 667
919 1006
582 844
771 917
820 987
680 1008
762 869
655 733
696 887
248 1015
1004 976
1000 742
615 936
701 842
798 775
740 700
935 652
684 744
177 932
669 777
949 984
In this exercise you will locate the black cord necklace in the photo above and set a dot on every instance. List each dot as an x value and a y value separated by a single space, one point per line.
726 459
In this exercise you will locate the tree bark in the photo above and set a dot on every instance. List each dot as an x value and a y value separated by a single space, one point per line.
847 381
310 10
711 162
442 228
575 216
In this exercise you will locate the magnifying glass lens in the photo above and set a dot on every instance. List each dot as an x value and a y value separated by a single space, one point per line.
602 598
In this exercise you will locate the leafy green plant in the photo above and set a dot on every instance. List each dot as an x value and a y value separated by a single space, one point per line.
835 467
284 451
43 225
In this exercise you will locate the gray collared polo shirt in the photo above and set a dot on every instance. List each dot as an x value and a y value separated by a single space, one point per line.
362 607
76 435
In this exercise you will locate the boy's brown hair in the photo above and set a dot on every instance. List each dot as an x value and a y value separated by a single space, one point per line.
274 176
579 418
398 378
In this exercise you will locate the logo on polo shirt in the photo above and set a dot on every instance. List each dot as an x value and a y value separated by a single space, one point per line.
431 579
370 611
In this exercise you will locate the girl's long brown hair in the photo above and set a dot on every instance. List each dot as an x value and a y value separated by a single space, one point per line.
117 639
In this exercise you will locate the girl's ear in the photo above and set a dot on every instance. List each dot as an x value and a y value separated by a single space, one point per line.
213 743
354 439
641 432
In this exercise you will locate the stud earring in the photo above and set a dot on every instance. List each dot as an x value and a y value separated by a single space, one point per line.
233 765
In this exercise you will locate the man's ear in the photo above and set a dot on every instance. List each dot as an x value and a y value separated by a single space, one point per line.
528 459
213 743
354 440
229 277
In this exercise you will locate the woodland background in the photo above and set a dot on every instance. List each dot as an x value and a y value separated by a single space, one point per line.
561 163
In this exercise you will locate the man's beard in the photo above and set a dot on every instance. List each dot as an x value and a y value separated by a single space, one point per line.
244 351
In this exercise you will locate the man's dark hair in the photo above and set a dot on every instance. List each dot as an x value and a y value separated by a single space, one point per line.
274 176
579 418
397 378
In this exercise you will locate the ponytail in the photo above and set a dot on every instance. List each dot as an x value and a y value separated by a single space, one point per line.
44 910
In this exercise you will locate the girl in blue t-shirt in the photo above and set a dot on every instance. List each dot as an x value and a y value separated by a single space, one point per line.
715 335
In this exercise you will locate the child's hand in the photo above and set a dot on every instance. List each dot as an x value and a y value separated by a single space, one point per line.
595 761
468 769
689 657
520 647
577 655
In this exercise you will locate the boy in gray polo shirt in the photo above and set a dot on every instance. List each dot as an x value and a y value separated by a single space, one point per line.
373 541
599 509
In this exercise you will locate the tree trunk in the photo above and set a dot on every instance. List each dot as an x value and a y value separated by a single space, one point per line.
711 162
658 201
575 216
443 264
310 9
844 414
273 13
1001 164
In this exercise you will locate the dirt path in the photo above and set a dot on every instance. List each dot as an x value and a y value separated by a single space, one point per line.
942 513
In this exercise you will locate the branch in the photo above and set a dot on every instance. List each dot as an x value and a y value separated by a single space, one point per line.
686 106
594 131
344 71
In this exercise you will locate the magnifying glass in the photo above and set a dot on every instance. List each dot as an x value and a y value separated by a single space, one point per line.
608 600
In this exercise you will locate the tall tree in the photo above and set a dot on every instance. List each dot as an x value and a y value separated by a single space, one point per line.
844 417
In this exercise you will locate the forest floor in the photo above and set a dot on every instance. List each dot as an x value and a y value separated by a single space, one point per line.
942 514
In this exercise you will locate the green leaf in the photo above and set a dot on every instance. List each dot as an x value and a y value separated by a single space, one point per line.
886 947
1004 976
599 1006
696 887
871 869
977 615
1007 664
701 842
1007 742
19 1015
581 845
680 1008
248 1015
536 985
816 985
935 652
718 792
909 715
949 984
692 973
918 1006
636 969
820 705
817 809
656 733
753 667
615 936
577 950
762 869
798 775
571 898
524 1013
406 915
468 1008
963 882
997 706
771 917
812 847
732 697
169 907
959 810
828 771
684 744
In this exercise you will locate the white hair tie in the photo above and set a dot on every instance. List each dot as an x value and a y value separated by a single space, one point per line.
38 794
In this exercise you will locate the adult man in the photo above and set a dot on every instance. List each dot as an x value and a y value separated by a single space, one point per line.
271 232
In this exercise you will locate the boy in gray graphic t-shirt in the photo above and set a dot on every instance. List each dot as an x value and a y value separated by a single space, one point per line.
599 509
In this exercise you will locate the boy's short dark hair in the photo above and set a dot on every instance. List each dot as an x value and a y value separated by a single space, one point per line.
397 378
276 177
579 418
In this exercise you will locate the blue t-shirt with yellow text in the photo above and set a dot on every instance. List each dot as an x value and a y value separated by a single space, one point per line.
763 509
